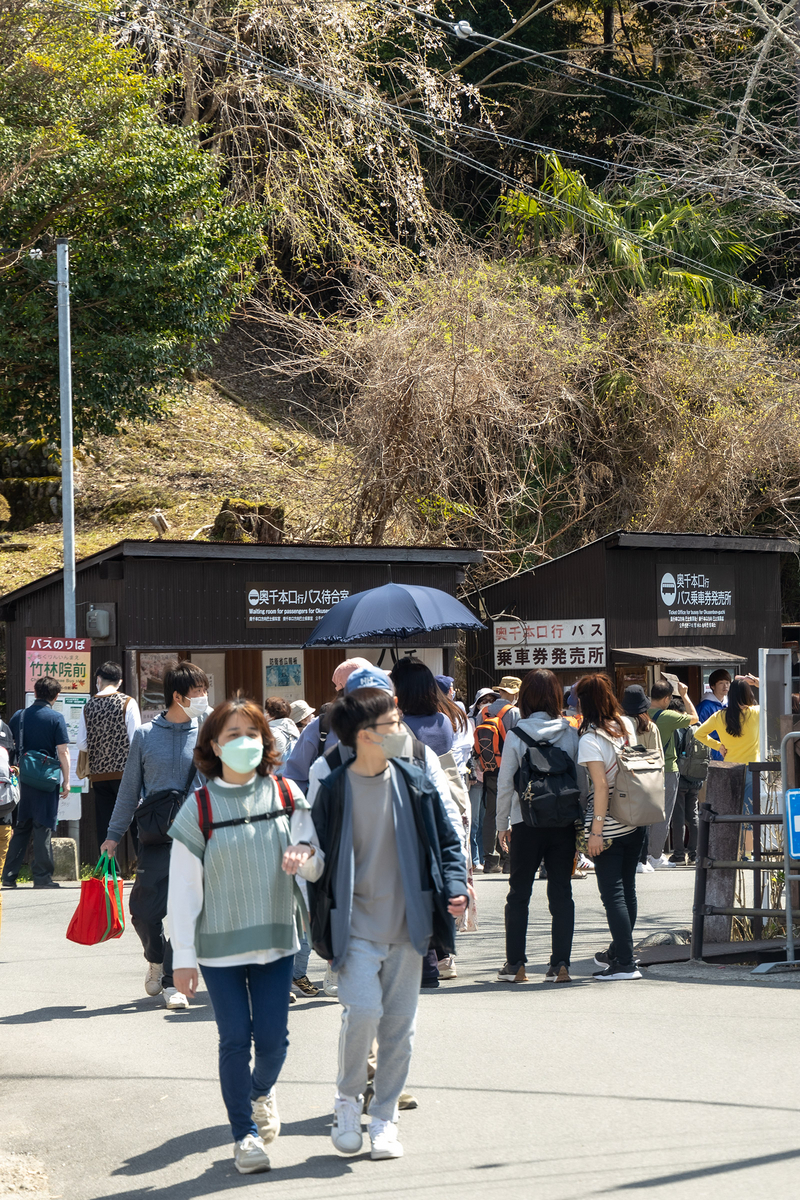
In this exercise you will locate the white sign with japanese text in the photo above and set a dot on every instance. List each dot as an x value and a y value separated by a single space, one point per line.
556 644
291 603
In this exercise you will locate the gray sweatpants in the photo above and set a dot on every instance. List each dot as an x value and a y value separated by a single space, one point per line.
658 833
379 991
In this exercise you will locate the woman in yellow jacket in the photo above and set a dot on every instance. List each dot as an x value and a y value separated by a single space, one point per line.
737 729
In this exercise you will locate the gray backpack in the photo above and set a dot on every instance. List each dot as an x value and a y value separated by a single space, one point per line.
637 797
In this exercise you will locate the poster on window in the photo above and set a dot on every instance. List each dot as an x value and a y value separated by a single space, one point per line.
282 672
698 600
153 666
556 644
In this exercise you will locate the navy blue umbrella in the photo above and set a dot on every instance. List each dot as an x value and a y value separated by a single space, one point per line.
398 610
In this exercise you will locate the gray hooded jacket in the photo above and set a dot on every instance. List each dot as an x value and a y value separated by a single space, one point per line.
160 758
556 730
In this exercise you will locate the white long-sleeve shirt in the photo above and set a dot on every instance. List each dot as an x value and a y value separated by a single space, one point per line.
185 897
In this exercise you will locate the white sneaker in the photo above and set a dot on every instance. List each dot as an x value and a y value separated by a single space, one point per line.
152 980
330 985
383 1137
346 1132
584 863
447 968
657 863
477 868
250 1156
175 1000
644 868
266 1117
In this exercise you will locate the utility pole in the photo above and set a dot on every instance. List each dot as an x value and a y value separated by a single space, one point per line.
65 387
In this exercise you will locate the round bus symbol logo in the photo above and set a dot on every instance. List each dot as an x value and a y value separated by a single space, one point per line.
668 589
252 597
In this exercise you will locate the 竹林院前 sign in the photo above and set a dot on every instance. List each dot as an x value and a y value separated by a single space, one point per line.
556 644
67 660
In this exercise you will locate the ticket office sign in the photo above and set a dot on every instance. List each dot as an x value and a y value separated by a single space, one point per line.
555 644
699 600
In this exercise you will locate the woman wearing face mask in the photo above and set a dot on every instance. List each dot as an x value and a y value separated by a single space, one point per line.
234 912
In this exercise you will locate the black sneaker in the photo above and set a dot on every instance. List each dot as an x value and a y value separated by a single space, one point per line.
51 883
614 972
8 883
512 973
604 959
678 859
429 983
558 974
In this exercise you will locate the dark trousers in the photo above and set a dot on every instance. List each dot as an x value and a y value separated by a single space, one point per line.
105 797
42 869
529 848
685 814
615 872
148 906
251 1004
490 814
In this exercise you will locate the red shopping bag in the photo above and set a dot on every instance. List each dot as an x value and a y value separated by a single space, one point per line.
99 915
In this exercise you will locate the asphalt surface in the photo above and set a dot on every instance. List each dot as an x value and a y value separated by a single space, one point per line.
679 1084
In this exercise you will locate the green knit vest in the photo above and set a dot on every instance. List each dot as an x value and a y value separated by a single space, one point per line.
249 903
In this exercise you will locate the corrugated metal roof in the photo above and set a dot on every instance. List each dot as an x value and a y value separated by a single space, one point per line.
687 656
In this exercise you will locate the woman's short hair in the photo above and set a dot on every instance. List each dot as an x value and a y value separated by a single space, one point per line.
540 692
359 710
276 707
204 757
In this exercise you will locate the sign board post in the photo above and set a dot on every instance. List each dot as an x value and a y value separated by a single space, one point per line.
68 660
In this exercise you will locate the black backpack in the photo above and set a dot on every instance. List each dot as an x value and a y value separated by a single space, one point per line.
547 785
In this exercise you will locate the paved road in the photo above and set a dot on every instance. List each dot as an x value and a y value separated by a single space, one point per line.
666 1087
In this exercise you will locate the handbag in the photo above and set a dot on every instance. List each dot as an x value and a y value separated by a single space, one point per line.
99 916
157 811
37 769
9 795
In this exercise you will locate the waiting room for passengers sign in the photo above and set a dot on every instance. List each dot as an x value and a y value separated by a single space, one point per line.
557 644
697 599
291 603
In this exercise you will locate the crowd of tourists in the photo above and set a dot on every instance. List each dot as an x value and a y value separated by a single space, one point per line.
264 832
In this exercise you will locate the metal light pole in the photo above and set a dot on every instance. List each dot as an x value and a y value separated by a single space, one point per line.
67 492
65 387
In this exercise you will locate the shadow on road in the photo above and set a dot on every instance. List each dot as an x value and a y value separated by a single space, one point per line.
69 1012
221 1176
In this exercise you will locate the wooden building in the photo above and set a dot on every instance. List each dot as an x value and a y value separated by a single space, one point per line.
240 611
634 604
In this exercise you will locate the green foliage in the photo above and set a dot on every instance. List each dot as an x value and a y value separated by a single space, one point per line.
630 240
158 259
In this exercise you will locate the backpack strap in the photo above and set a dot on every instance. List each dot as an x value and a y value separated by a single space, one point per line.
205 815
285 793
324 728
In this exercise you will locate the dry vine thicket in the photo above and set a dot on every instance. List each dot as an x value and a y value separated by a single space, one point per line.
485 407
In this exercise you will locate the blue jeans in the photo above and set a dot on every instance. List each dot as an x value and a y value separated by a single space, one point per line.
233 991
301 959
476 822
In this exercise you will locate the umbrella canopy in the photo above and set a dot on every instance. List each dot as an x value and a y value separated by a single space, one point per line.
398 610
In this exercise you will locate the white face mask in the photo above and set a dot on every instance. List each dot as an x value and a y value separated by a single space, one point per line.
198 706
395 745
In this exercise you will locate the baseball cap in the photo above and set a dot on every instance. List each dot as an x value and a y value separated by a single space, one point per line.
445 682
345 669
368 677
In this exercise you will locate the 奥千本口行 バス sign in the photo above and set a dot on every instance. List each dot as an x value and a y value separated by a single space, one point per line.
291 603
555 644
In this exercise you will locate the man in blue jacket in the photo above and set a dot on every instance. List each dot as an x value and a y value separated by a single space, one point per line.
720 684
161 760
395 874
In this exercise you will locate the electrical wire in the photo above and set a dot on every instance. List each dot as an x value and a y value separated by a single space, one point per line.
254 60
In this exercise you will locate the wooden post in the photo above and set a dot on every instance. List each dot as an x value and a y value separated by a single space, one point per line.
725 794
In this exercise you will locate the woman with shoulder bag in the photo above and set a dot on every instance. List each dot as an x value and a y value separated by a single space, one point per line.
614 846
529 845
234 909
